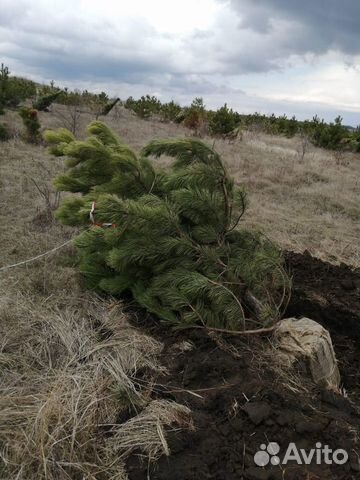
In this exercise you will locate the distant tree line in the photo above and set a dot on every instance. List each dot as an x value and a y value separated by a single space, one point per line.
223 122
28 98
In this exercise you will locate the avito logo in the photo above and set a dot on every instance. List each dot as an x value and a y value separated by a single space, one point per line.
322 454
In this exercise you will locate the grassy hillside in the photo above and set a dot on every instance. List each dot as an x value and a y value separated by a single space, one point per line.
302 201
70 361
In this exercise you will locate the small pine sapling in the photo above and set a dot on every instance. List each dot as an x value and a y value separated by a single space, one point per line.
44 102
32 124
223 121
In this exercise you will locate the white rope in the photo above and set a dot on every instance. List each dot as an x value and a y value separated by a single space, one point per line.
35 258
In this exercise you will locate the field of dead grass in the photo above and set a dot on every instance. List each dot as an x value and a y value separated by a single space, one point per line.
69 360
64 384
308 201
301 198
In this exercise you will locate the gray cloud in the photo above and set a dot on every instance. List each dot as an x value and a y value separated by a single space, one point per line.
268 35
324 24
70 47
11 12
247 38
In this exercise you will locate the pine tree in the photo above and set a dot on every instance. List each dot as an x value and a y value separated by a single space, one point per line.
174 244
196 116
44 102
109 106
170 111
31 123
223 121
4 82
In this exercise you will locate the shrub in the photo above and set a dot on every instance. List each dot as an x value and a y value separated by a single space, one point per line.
180 117
195 117
354 140
223 121
13 90
31 122
44 102
70 114
330 135
4 85
74 97
145 107
174 243
95 102
170 111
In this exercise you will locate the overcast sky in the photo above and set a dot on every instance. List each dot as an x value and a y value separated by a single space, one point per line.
284 56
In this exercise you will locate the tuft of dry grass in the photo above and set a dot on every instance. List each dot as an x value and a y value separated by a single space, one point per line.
63 383
65 386
145 432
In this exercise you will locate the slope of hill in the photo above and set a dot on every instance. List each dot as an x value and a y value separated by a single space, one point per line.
85 381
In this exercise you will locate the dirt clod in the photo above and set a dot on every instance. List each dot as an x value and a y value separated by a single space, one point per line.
257 411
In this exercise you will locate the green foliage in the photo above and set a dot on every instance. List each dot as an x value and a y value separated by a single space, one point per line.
195 116
145 107
354 140
96 102
13 90
332 135
4 132
58 140
44 102
74 98
175 244
48 89
170 111
109 106
4 80
223 121
31 122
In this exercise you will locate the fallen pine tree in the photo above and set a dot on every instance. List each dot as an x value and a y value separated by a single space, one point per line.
175 241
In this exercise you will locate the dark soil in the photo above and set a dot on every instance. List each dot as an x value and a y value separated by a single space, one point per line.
240 403
326 293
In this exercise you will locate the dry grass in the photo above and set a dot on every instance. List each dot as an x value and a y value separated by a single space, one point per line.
145 432
301 204
68 361
300 200
65 385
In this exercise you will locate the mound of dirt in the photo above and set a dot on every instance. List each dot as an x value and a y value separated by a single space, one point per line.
239 404
330 294
326 293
